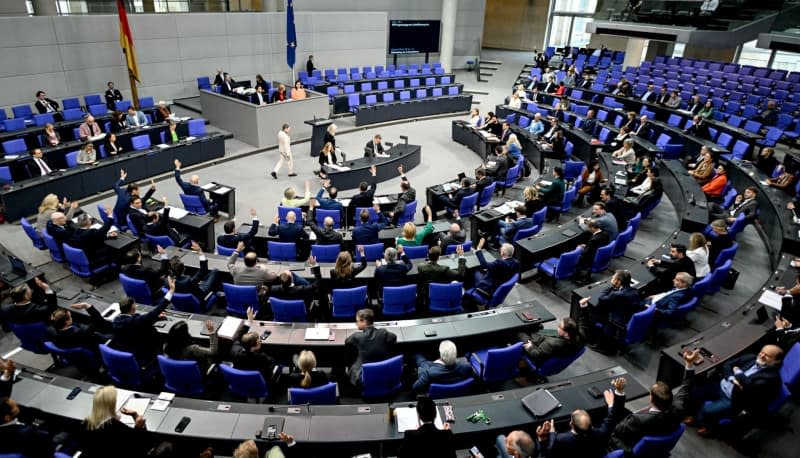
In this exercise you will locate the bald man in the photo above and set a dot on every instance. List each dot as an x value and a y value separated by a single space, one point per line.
193 188
89 128
454 236
518 444
288 232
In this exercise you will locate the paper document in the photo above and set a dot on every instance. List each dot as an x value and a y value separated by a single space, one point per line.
620 181
208 186
162 146
380 200
177 213
122 398
771 299
111 312
545 182
382 155
345 202
97 137
229 327
447 187
407 419
138 405
221 190
508 207
159 405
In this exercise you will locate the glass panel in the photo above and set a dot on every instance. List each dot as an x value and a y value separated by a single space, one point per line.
786 61
580 38
576 6
559 30
751 55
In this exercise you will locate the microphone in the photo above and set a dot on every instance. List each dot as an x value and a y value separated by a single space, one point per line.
597 283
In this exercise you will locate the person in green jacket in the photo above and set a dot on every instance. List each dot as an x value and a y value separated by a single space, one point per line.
411 237
553 194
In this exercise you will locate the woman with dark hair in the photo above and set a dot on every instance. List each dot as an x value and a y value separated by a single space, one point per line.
118 123
343 272
179 345
592 179
260 83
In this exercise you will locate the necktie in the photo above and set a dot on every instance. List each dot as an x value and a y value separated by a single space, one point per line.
42 166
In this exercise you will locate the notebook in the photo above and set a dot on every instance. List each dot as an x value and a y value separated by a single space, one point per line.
540 403
317 333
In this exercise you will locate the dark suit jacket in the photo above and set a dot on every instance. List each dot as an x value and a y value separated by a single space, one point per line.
338 282
665 271
598 240
192 189
718 243
371 145
619 304
151 276
431 272
405 197
42 108
368 346
304 292
668 304
33 168
650 97
432 372
112 95
288 232
364 199
758 390
699 130
393 274
136 334
326 236
446 239
232 240
427 440
30 312
113 435
62 234
81 335
190 283
248 360
24 439
160 227
547 346
589 126
122 203
497 272
369 233
590 444
481 184
91 241
749 208
645 131
138 219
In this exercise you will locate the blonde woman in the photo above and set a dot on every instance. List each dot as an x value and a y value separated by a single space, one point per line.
50 205
514 147
103 432
51 137
533 203
411 237
87 154
698 253
515 102
474 118
309 376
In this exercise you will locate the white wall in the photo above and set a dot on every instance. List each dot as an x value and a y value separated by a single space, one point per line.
469 21
71 56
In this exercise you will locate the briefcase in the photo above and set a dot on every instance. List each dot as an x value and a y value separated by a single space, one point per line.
730 282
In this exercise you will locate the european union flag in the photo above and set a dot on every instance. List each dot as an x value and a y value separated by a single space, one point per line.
291 35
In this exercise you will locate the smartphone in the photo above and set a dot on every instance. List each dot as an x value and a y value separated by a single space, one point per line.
474 451
72 394
182 424
265 334
595 392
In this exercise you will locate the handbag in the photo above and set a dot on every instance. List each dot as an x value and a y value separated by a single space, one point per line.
730 282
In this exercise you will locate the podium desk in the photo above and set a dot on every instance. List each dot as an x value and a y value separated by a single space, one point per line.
224 196
318 129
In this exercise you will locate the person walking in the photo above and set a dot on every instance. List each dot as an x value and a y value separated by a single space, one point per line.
285 149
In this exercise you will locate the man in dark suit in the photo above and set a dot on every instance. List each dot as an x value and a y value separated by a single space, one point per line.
66 334
369 345
745 203
112 96
37 166
368 233
201 283
695 104
92 241
613 308
159 225
60 228
310 65
246 351
288 232
366 192
494 273
644 130
230 238
45 105
748 383
390 272
407 196
24 310
375 146
452 201
331 202
589 123
193 188
291 286
427 440
769 116
583 440
154 278
431 271
326 235
699 128
137 211
649 95
456 235
219 78
508 229
666 269
543 345
135 333
16 436
667 303
446 369
481 181
615 206
598 239
226 87
663 96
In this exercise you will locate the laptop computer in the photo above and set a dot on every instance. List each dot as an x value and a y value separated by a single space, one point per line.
540 403
317 333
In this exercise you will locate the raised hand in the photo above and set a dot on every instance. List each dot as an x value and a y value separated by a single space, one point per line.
400 169
196 247
177 164
619 384
80 306
160 249
481 242
251 314
122 174
41 284
253 212
312 260
361 250
373 170
460 250
152 184
109 211
210 326
609 397
240 247
171 284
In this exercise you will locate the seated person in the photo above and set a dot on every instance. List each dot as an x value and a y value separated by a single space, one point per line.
647 183
368 345
615 206
366 192
454 236
565 341
137 212
705 169
674 100
603 219
390 272
202 283
326 235
368 233
135 118
408 195
193 188
744 203
553 193
344 273
474 118
707 112
179 345
699 128
89 128
410 235
665 270
160 225
627 153
246 351
718 240
533 201
134 333
613 309
134 268
556 145
427 439
375 145
37 166
481 181
231 238
502 162
638 172
514 147
431 271
667 303
769 116
598 239
517 444
60 228
509 228
492 125
163 112
66 334
592 181
536 127
288 232
766 161
589 123
290 198
446 369
92 241
452 201
291 286
24 310
250 272
492 274
715 188
50 205
330 202
308 375
785 182
87 154
18 435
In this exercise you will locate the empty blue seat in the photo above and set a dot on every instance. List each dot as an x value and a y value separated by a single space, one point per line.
421 93
247 384
282 251
562 267
345 302
121 367
31 336
325 253
321 395
193 204
399 300
445 297
289 311
382 378
122 105
12 125
140 142
196 127
136 289
496 364
78 357
451 390
181 377
388 97
98 110
452 90
22 112
239 298
14 147
399 84
79 263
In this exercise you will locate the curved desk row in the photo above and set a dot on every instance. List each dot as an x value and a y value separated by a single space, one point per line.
415 108
86 180
409 156
337 429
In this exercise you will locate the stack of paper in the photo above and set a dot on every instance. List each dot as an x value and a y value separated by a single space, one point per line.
177 213
771 299
138 405
407 419
381 200
229 327
208 186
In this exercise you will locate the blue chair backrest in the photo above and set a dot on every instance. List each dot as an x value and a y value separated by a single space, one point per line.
718 276
122 105
247 384
203 82
737 226
181 377
451 248
527 232
372 252
193 204
416 252
320 214
373 215
22 111
70 104
122 367
639 325
603 257
572 169
790 369
399 300
13 124
289 311
187 302
56 252
283 211
539 217
31 336
499 294
137 289
42 119
72 114
382 378
92 99
71 159
146 102
486 194
140 142
240 297
467 206
5 174
451 390
98 110
556 364
162 240
658 446
14 147
445 297
197 127
30 231
79 357
726 255
325 253
282 251
567 263
635 222
502 363
408 213
346 301
623 239
321 395
701 288
78 262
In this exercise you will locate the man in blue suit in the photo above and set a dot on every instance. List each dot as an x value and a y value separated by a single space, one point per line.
446 369
192 188
390 272
331 202
367 233
231 238
492 275
135 333
667 303
288 232
510 227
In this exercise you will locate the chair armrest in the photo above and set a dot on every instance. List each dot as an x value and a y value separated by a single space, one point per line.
211 369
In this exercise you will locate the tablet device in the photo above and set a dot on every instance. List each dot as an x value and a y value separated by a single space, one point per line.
540 402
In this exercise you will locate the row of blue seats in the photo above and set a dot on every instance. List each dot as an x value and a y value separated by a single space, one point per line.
684 64
72 111
369 72
354 100
384 85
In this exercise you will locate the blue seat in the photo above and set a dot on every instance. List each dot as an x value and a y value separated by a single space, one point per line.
566 202
289 311
122 105
325 253
451 390
730 197
554 364
373 215
71 104
79 263
181 377
451 248
512 175
771 139
718 276
78 357
320 215
22 112
283 211
45 118
737 226
467 206
193 204
12 125
685 308
399 300
603 257
416 252
652 446
726 255
92 99
140 142
372 252
345 302
525 233
56 252
562 267
196 127
161 240
189 303
14 147
30 231
639 325
496 364
539 217
702 287
31 336
239 298
247 384
382 378
573 169
445 297
499 294
136 289
72 114
282 251
71 159
408 213
353 101
98 110
122 367
204 83
321 395
146 102
623 239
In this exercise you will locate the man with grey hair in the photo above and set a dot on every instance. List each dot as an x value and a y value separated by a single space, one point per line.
518 444
667 303
446 369
390 272
92 241
491 276
369 345
326 235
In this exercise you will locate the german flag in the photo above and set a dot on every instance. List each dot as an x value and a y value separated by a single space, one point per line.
126 41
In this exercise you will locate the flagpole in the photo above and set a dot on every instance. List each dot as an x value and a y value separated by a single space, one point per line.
134 91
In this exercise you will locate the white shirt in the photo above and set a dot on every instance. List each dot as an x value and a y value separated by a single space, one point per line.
515 102
642 188
43 168
284 143
699 257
